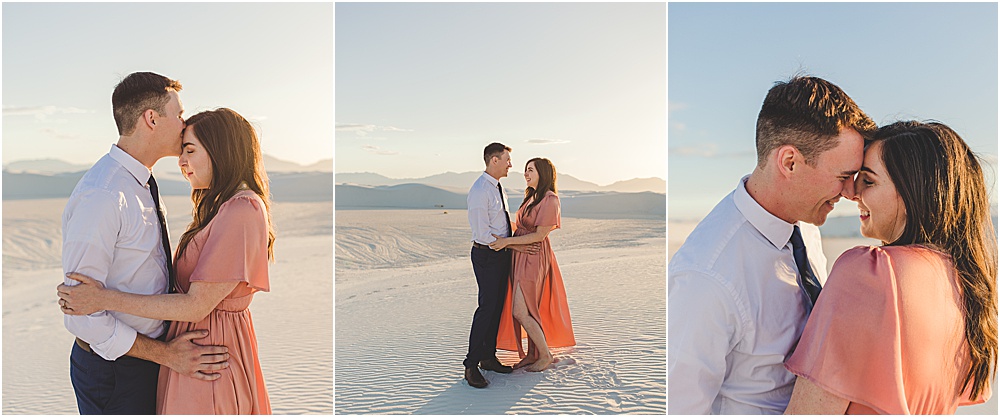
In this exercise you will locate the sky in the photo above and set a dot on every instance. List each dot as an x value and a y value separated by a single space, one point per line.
423 88
270 62
898 61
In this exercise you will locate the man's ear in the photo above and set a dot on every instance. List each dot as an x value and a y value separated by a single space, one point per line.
149 118
788 159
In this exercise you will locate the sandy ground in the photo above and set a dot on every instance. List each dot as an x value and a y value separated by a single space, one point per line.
294 322
832 248
406 293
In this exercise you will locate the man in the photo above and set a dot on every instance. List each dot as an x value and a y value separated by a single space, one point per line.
114 231
742 285
488 216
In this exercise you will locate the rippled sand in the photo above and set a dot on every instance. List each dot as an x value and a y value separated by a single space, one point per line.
406 293
294 322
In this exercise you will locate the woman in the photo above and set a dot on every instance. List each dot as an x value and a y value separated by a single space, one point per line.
536 298
909 327
221 262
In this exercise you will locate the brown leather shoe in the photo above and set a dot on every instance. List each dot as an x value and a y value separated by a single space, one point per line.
475 378
493 364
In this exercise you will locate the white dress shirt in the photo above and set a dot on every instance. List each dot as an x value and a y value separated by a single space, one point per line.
735 310
486 212
111 233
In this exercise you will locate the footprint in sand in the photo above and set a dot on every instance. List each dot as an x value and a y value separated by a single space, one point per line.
614 400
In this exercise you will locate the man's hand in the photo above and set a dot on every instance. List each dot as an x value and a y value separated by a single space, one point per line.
85 298
530 249
196 361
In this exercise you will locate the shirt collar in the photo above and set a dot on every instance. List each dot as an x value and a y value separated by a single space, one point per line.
132 165
490 178
776 231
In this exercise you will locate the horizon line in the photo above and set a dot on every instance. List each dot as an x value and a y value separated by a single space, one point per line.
5 163
466 172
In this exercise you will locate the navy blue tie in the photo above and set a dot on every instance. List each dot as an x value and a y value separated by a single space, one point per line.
504 205
807 279
164 236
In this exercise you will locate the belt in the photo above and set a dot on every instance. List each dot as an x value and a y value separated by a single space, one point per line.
487 247
83 345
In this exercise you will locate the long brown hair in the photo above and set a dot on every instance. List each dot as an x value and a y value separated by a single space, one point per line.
233 148
546 182
947 207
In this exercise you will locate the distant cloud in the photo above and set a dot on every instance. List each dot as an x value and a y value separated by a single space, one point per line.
364 130
708 150
378 151
678 126
41 112
547 141
60 135
673 105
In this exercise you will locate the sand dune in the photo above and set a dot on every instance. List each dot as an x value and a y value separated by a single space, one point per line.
406 293
294 321
32 242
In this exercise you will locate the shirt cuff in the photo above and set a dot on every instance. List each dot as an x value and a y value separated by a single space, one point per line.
118 344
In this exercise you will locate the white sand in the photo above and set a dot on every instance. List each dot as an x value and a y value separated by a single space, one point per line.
832 248
406 293
294 321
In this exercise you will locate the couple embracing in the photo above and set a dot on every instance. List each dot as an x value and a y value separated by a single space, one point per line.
907 327
133 305
520 286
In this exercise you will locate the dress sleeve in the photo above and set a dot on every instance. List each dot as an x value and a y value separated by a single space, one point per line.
236 246
851 345
549 211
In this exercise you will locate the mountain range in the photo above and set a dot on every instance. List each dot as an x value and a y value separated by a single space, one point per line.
640 198
585 204
285 186
460 182
51 166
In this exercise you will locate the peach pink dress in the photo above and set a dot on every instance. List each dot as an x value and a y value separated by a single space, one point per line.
233 247
887 333
540 281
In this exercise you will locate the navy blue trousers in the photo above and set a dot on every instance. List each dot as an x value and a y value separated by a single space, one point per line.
492 270
123 386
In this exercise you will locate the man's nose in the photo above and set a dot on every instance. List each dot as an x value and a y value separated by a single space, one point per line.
848 190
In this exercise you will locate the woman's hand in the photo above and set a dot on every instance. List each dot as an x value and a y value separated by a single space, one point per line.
530 249
498 244
85 298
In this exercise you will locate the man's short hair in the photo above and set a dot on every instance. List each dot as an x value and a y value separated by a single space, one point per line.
494 149
138 92
807 113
